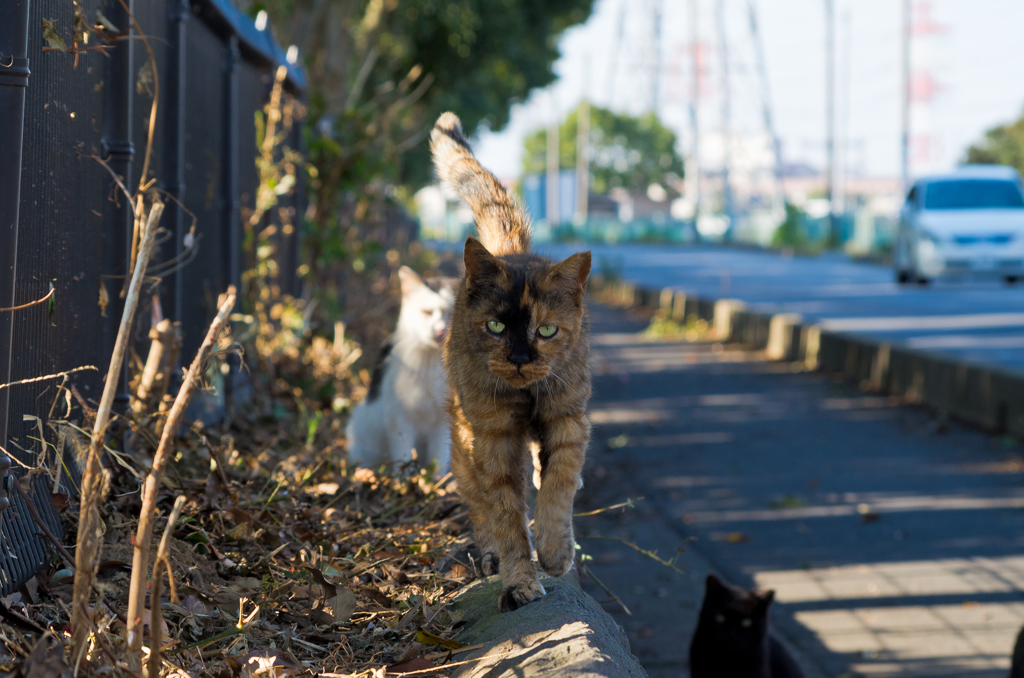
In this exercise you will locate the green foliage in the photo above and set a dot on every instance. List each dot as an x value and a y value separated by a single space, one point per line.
792 233
625 151
1002 145
474 57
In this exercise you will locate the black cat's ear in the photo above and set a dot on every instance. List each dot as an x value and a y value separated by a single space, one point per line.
715 587
765 599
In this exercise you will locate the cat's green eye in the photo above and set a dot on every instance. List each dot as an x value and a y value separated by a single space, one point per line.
495 326
746 623
547 331
720 618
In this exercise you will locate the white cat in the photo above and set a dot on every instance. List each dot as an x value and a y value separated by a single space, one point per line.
405 406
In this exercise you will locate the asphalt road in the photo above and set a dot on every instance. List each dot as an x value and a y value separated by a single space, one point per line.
981 321
893 540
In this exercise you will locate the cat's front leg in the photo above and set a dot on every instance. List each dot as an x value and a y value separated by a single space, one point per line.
501 462
563 449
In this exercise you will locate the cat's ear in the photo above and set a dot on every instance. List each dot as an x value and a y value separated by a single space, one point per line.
480 264
764 600
715 587
570 276
411 281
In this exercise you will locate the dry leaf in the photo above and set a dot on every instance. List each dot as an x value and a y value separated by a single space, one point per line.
269 664
106 23
428 638
737 538
59 501
238 532
104 299
147 618
46 660
52 37
343 604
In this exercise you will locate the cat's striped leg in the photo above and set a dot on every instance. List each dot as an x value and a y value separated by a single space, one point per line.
471 491
502 457
563 449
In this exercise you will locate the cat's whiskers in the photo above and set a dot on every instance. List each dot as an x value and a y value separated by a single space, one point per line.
555 375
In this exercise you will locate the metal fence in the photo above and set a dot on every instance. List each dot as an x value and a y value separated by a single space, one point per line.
73 231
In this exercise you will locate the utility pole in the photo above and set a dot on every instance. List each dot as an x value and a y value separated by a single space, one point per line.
696 56
766 103
613 59
582 160
843 122
723 47
551 180
830 117
905 135
656 11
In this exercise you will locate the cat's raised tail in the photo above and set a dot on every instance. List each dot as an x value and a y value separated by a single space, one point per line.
503 225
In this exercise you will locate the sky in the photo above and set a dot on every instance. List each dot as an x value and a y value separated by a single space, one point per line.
970 59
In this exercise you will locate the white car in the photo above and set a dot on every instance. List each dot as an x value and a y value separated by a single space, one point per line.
967 222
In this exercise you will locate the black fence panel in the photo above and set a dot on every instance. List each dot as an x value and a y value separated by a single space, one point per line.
89 113
203 172
61 244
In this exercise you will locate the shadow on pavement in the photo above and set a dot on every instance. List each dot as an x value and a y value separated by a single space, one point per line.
892 538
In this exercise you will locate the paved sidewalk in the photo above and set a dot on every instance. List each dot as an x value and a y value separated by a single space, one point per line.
895 542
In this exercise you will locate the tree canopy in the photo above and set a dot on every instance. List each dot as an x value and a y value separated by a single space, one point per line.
474 57
625 151
1002 145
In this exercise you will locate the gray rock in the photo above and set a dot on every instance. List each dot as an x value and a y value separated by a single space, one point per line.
565 633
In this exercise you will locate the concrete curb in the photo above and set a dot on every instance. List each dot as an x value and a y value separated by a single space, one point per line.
565 633
987 396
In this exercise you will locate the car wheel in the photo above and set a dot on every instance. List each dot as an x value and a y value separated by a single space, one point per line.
1010 280
923 281
902 277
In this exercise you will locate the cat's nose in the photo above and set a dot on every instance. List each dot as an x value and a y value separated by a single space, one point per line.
519 358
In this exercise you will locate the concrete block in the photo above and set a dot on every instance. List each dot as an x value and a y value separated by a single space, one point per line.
665 301
721 317
679 301
565 633
780 336
646 299
1009 390
627 295
810 341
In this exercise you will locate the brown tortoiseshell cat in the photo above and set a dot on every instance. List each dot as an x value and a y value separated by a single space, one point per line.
517 360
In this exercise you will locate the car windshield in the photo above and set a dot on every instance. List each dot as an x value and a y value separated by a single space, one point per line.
966 194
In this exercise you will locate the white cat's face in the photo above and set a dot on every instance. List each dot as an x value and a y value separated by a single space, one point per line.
425 311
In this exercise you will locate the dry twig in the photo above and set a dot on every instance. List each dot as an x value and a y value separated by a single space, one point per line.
89 526
29 304
144 533
615 598
156 614
670 564
629 503
48 376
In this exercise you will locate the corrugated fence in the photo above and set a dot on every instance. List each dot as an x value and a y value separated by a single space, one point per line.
214 71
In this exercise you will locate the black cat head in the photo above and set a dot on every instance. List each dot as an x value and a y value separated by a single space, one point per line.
735 615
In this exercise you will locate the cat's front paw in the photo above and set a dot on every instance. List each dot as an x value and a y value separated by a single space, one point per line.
489 564
515 596
556 552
